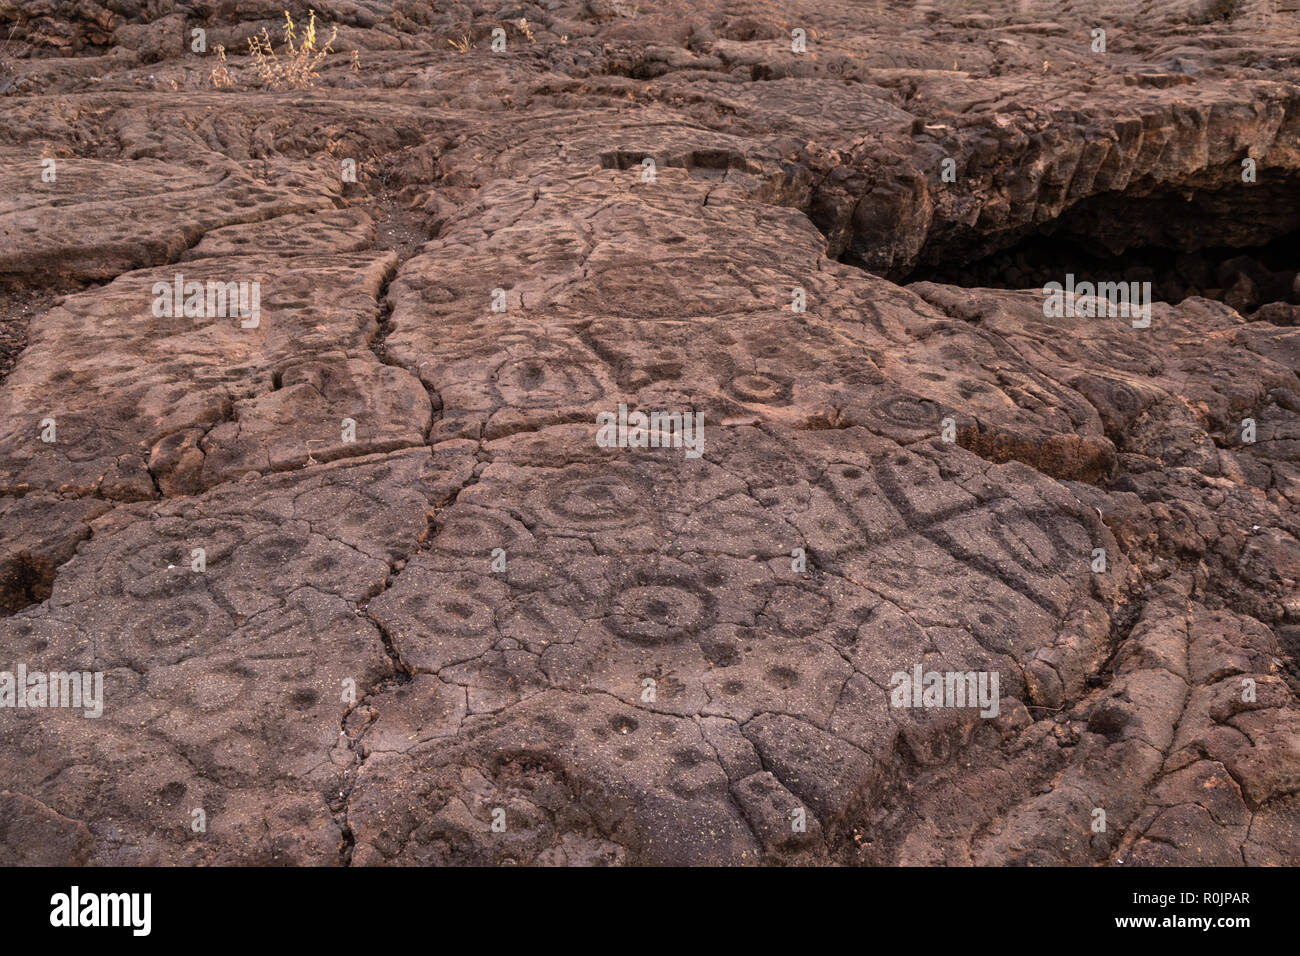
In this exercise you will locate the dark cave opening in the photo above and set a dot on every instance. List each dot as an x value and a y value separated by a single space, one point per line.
1238 244
1245 278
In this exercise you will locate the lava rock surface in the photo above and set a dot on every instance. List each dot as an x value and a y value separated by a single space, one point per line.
467 633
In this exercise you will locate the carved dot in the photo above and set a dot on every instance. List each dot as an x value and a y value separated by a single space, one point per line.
623 725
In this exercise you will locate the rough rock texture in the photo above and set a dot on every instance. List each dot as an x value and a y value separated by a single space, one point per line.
459 630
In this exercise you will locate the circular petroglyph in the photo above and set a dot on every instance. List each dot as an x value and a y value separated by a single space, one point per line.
545 381
589 502
473 532
910 411
459 611
760 389
275 550
169 624
422 607
662 611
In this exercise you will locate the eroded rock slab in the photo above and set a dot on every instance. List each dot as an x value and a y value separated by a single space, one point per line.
364 580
